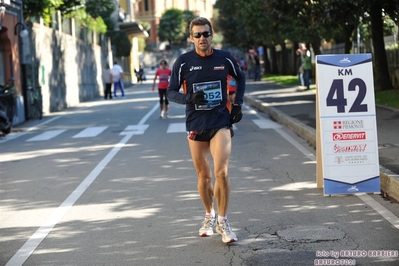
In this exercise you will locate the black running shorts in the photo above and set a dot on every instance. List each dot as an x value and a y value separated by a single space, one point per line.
206 134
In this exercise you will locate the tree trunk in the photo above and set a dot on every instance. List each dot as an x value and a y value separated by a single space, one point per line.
348 31
382 79
316 43
273 56
284 61
266 59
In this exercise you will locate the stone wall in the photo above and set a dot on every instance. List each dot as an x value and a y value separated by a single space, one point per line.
67 69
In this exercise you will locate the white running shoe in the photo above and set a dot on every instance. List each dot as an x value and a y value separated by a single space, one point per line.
224 229
207 226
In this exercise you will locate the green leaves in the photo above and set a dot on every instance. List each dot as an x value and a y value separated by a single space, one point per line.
91 13
173 26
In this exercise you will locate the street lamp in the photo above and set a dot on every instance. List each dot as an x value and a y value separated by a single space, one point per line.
23 32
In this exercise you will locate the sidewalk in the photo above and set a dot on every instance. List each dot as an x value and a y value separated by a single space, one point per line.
296 109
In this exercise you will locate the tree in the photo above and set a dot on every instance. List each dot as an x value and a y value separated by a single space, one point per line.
188 16
32 8
232 24
382 80
274 21
91 13
121 41
103 9
171 26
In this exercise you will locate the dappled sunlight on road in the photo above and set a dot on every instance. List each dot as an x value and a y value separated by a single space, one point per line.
295 186
290 103
16 156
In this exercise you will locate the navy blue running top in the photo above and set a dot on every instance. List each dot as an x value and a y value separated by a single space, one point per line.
191 73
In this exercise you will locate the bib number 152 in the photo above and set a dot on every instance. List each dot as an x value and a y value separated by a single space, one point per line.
336 95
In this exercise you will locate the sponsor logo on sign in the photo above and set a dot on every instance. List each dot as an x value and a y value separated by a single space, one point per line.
348 124
338 136
345 60
339 159
353 189
356 159
337 124
349 148
351 159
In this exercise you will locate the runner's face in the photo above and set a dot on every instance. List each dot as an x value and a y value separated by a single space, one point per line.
202 44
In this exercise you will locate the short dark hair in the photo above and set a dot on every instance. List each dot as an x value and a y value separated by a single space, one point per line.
163 61
200 21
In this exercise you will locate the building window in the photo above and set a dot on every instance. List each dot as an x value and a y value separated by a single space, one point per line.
146 5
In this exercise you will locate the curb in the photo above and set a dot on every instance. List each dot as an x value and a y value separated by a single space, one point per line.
387 108
389 181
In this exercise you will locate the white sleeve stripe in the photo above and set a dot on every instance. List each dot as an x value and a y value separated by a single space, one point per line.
181 66
232 64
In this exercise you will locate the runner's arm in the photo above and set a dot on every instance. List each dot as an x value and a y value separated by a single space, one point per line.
176 82
239 76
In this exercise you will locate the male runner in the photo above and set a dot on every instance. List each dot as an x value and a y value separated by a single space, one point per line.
203 75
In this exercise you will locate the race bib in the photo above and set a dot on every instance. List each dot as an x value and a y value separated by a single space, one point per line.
212 94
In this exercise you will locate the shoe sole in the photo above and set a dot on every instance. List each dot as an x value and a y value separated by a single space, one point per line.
232 240
229 242
205 235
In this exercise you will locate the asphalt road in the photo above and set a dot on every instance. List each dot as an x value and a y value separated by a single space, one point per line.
110 183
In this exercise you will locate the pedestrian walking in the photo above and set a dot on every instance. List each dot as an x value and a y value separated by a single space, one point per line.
163 72
117 79
202 73
307 68
140 74
299 53
107 79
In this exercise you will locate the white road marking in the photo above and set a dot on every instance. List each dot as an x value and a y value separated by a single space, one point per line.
12 136
176 128
266 123
136 129
33 242
384 212
47 135
90 132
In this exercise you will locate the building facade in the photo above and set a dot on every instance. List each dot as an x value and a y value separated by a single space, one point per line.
13 35
150 11
125 18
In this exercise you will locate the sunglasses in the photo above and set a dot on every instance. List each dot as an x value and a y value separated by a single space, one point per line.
198 35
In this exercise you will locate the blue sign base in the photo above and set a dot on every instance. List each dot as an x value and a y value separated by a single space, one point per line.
371 185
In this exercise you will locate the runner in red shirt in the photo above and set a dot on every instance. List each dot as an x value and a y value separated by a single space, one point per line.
231 86
164 73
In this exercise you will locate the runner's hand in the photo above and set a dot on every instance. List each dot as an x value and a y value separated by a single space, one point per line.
198 98
236 114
